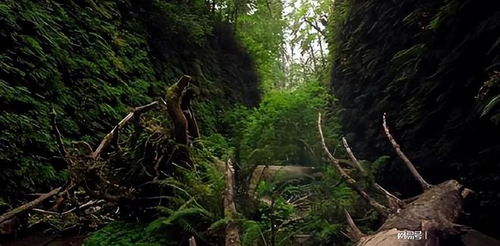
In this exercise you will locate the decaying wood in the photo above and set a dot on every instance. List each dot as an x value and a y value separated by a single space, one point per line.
353 157
394 202
405 159
174 100
278 174
434 213
381 209
232 229
89 172
27 206
106 141
85 205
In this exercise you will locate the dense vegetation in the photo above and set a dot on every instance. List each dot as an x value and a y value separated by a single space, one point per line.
261 72
91 62
433 67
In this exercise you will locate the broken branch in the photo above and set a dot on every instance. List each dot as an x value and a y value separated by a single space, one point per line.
405 159
114 132
57 133
394 202
353 158
350 181
27 206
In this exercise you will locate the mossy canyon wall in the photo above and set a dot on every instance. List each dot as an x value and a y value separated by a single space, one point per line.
433 67
91 62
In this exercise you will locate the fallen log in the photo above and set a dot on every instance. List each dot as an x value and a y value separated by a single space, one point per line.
429 219
278 174
27 206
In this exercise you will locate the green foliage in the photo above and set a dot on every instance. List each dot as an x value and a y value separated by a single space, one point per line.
283 130
261 33
251 233
431 66
92 61
490 99
119 233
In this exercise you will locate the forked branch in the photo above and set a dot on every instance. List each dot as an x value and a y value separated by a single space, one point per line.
394 202
405 159
353 157
350 181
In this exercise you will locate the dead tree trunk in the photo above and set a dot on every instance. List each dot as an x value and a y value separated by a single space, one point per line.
428 220
174 98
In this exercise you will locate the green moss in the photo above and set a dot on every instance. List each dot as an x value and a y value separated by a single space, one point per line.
92 61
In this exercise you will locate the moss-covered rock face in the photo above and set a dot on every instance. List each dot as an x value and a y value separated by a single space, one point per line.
424 63
91 61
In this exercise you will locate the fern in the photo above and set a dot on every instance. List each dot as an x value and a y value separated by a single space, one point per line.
251 233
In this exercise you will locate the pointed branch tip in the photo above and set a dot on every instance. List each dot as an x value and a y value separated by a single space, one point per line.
352 183
402 155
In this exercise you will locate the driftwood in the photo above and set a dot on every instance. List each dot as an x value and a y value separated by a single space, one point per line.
278 174
381 209
405 159
232 229
428 219
27 206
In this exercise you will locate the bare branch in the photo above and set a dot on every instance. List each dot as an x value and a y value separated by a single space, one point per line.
111 135
350 181
29 205
87 204
394 202
353 231
353 158
405 159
